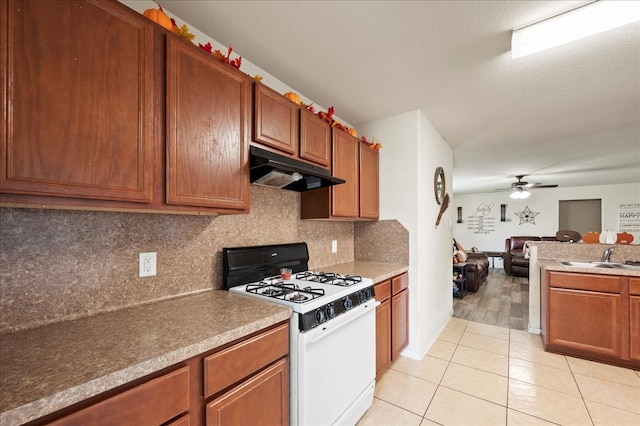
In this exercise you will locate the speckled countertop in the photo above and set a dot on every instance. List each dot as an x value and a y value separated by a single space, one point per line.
555 265
376 271
45 369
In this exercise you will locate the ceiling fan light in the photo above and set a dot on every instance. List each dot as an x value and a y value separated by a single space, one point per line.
582 22
519 193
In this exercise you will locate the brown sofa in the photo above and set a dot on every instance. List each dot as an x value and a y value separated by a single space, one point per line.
477 270
477 265
515 261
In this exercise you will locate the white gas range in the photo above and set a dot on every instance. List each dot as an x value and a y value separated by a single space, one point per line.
332 330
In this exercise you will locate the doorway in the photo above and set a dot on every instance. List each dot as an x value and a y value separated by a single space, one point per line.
580 215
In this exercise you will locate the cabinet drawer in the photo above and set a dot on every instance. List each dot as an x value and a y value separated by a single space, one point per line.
634 286
607 284
151 403
382 290
233 364
399 283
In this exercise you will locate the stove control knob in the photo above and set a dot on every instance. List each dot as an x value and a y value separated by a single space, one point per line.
362 296
347 303
331 310
320 316
368 292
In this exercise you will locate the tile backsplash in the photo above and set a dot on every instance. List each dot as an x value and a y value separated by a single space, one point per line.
57 265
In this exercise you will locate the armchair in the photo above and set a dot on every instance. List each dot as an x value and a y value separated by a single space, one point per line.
516 262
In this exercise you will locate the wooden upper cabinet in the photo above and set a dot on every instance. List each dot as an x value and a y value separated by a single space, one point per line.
275 121
208 106
345 197
315 139
369 182
77 98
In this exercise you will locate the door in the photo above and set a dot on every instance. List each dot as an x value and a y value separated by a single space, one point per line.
344 197
315 139
261 400
77 100
600 332
275 120
207 130
369 185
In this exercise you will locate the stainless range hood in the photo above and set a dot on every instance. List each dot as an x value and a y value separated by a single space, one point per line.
274 170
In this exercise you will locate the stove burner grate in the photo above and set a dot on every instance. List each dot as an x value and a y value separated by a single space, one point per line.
278 289
329 278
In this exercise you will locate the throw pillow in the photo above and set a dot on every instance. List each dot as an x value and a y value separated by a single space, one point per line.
461 254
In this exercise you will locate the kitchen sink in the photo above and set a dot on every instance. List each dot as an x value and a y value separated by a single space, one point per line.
598 264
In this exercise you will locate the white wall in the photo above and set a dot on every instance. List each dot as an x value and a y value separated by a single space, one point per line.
542 201
411 151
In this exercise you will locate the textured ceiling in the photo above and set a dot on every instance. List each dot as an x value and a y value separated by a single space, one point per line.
567 116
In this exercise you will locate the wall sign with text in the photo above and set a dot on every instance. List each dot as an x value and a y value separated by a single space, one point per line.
629 218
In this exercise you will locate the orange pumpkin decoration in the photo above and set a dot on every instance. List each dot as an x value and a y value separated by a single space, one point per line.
624 238
159 17
293 97
592 237
352 132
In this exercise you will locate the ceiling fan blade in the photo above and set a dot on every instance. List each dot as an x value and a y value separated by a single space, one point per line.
537 185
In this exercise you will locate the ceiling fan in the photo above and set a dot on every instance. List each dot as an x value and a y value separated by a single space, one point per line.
520 189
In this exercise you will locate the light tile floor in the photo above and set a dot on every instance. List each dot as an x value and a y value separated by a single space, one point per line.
483 374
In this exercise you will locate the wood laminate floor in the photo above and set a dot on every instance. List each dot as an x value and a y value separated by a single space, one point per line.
502 300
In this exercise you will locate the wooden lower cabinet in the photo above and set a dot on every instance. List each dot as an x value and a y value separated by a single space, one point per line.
592 316
383 327
598 332
392 320
399 314
634 319
261 400
244 383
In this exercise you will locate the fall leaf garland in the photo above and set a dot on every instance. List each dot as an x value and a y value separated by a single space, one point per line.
183 32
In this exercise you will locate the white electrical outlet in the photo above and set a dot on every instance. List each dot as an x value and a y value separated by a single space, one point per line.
334 246
147 265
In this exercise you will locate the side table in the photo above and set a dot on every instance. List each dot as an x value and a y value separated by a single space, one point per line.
459 280
492 255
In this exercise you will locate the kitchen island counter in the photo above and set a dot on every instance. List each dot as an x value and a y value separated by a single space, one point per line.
45 369
555 265
376 271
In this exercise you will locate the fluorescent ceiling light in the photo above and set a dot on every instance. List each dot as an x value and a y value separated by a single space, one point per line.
584 21
519 193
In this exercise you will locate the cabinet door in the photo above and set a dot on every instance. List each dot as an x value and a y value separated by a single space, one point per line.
634 318
383 337
399 323
344 197
77 100
207 124
369 183
634 321
275 120
315 139
261 400
587 322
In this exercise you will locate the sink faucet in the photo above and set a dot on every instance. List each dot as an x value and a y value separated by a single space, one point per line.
607 254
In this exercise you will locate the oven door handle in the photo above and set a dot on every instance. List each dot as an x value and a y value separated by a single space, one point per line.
367 307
